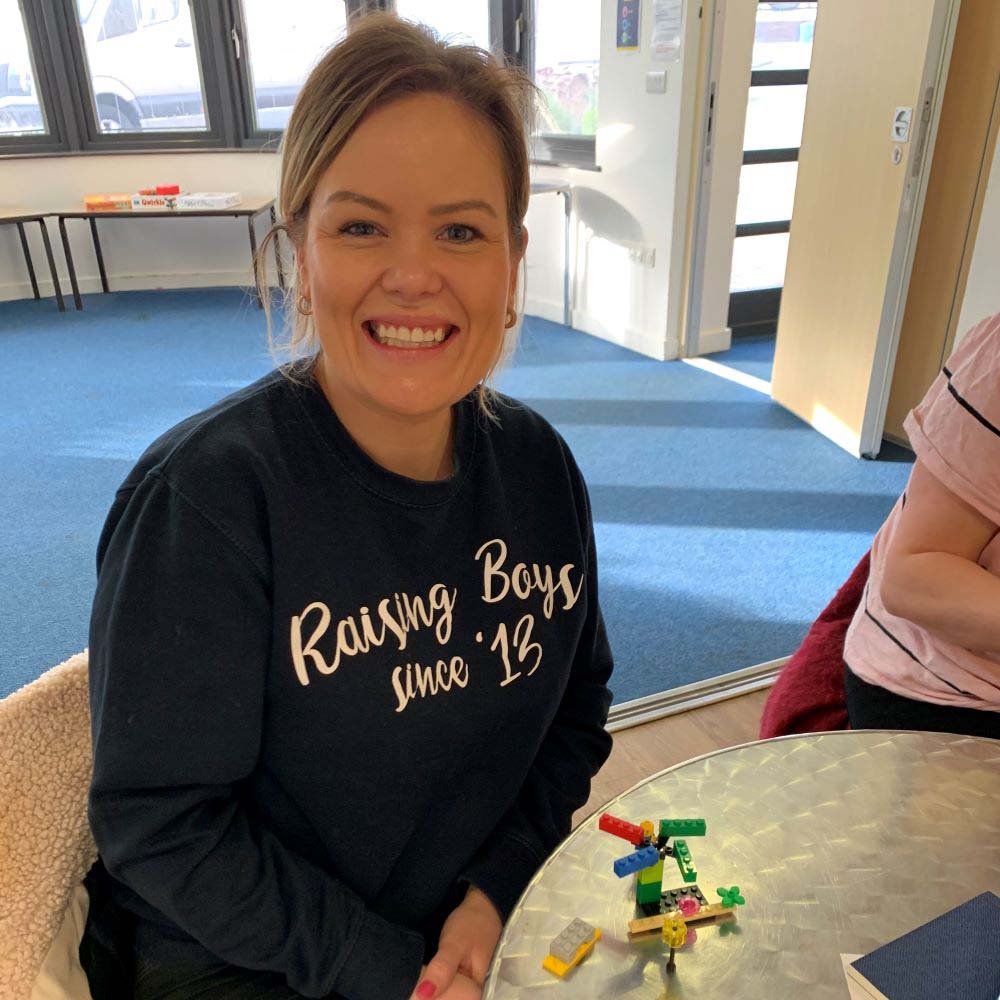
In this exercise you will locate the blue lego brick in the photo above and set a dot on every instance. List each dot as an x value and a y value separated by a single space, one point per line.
636 861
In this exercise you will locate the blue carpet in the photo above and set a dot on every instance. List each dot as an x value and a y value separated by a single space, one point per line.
723 523
750 355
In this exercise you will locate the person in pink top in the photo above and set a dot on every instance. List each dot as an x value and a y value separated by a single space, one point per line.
923 650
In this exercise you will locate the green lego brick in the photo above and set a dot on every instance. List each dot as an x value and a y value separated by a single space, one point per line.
649 893
682 828
649 875
683 858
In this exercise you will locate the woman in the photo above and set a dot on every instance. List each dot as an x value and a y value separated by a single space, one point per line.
923 650
348 666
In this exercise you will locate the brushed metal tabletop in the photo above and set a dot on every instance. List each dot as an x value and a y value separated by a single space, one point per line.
838 841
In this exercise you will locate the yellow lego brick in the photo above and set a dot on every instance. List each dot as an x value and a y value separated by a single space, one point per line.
553 964
649 875
560 968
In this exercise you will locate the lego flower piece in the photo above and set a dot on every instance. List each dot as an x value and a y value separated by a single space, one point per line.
731 896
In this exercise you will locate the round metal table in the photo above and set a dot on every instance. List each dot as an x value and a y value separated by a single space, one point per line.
838 841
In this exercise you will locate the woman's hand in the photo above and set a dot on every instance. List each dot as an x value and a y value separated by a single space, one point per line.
468 939
462 988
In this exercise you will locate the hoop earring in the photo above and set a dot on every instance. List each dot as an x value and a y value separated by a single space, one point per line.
511 319
307 311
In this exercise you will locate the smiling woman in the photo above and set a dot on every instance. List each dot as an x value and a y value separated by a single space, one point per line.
379 684
407 288
399 145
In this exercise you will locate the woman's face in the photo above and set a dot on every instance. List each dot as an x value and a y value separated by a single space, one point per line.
407 259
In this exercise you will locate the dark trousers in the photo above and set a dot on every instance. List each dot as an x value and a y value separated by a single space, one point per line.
168 970
873 707
128 958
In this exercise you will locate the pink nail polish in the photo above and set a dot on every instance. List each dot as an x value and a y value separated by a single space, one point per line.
426 990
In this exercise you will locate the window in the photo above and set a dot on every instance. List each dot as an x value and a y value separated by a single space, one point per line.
166 74
22 112
567 62
143 71
782 50
767 192
119 19
566 65
283 43
467 23
153 12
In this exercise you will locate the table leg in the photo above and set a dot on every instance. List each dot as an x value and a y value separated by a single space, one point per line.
27 260
253 258
277 253
52 265
100 256
567 309
69 263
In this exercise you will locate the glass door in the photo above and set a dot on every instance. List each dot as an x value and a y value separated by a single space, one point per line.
775 111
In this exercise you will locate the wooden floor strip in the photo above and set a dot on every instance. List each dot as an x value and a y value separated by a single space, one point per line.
644 750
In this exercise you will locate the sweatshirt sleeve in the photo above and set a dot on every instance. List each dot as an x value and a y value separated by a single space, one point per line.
573 751
179 642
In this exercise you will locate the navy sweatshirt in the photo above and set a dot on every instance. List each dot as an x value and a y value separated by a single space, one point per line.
326 698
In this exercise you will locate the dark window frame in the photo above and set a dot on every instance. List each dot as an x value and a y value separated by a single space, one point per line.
65 91
48 88
218 135
242 103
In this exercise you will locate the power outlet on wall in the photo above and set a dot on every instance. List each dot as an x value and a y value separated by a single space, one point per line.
644 256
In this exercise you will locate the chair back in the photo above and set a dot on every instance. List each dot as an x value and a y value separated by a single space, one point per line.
46 846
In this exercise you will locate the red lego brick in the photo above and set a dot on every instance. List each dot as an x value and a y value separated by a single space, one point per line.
620 828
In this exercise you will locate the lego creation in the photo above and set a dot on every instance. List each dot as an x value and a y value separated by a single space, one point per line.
667 912
651 854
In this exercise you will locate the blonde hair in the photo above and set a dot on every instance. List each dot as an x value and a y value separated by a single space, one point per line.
384 58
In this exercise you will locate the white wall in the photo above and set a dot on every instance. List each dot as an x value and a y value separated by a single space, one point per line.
638 199
137 254
982 291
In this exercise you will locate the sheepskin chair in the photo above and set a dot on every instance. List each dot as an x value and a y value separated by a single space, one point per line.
46 846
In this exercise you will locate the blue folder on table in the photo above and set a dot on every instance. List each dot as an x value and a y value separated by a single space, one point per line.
954 955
